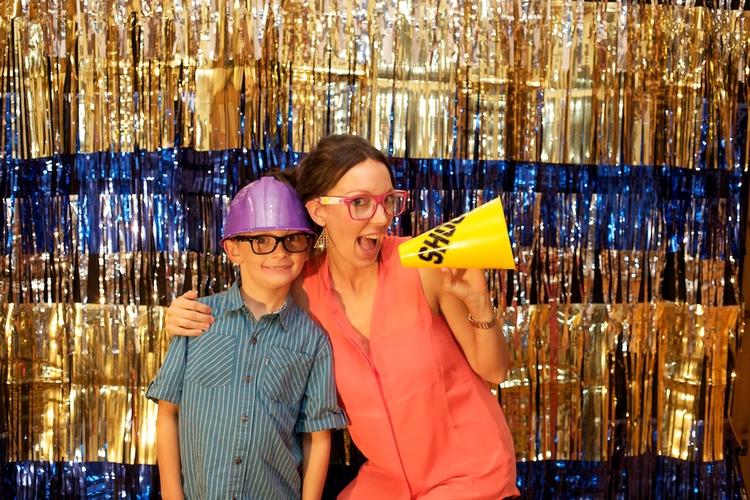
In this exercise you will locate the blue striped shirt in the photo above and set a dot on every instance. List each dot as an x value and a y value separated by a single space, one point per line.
246 389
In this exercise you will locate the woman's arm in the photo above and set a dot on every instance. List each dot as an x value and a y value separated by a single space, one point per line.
168 451
316 450
458 293
188 317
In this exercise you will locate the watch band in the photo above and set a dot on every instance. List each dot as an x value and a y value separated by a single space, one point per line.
485 325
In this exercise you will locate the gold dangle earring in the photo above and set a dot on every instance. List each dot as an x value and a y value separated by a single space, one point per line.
322 241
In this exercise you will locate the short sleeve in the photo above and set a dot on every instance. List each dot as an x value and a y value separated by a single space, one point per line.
167 385
319 409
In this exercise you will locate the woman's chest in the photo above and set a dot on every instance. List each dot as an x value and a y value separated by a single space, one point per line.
358 311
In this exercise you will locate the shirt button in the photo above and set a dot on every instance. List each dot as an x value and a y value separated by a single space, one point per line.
254 340
248 379
245 418
237 460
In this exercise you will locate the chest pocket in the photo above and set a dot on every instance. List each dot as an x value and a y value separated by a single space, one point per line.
210 359
286 374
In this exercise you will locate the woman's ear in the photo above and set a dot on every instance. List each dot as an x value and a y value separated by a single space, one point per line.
317 214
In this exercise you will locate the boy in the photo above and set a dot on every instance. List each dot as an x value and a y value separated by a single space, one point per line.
247 403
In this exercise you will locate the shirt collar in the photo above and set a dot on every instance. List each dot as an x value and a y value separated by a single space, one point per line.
233 302
286 312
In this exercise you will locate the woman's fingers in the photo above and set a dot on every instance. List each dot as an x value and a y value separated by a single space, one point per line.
193 320
187 301
452 281
187 316
189 320
185 332
200 317
200 307
447 278
180 325
457 281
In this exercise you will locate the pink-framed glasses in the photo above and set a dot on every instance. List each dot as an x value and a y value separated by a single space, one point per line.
363 206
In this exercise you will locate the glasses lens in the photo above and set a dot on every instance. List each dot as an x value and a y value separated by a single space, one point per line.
395 203
263 244
296 242
362 207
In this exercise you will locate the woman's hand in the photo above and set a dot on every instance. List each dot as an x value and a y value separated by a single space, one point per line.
186 316
469 286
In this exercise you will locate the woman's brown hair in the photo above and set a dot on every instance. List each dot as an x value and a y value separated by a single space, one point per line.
332 157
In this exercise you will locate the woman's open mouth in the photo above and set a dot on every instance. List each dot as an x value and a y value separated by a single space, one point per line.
369 245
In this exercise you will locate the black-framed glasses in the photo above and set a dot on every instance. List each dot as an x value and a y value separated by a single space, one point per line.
263 244
363 206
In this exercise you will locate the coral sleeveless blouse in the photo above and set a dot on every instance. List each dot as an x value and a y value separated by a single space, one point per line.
428 425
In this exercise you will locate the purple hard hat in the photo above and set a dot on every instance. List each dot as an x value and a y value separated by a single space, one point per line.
265 205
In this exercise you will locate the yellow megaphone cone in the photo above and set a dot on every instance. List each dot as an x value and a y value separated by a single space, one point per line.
477 239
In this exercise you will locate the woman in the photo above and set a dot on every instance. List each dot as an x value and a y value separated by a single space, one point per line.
412 347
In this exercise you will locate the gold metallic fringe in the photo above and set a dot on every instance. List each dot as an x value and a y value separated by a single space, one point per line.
561 81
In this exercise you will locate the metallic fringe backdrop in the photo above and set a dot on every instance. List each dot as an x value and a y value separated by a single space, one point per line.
615 133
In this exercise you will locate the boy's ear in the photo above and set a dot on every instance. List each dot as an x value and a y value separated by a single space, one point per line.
232 251
317 214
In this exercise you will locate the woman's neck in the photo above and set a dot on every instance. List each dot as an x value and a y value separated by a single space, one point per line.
348 278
